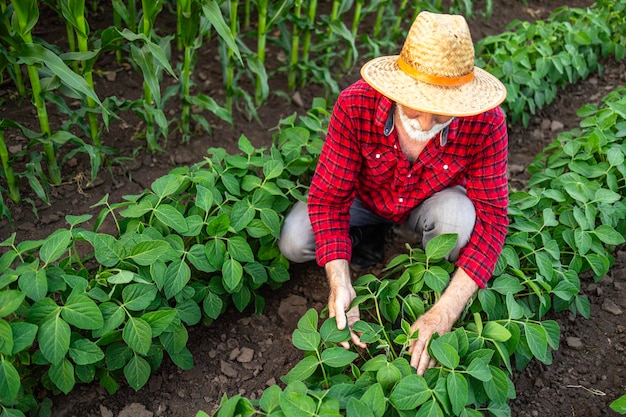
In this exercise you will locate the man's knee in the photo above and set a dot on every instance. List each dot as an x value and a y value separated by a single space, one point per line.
297 242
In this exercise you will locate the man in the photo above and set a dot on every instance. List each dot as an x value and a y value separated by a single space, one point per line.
420 140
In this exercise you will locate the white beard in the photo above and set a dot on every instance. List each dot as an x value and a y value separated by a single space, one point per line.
414 129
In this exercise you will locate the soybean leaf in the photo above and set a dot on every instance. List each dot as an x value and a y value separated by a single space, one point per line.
374 398
271 220
138 297
159 320
303 369
177 276
444 353
357 408
270 399
10 300
241 215
308 322
137 372
307 341
183 359
108 250
296 404
232 272
82 312
55 245
479 369
212 305
9 380
34 283
171 217
215 251
239 249
498 386
436 278
330 333
146 252
165 185
23 335
608 235
496 331
619 405
537 340
62 375
411 392
458 391
440 246
138 335
85 352
54 339
388 375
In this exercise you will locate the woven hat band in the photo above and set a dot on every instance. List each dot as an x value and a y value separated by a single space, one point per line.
434 79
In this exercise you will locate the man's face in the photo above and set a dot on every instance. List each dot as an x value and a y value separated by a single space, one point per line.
421 126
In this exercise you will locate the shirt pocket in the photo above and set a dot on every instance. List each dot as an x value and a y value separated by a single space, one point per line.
379 165
448 170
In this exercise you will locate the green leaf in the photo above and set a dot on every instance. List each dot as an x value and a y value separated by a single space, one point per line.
34 283
182 359
23 335
479 369
497 387
82 312
212 305
270 399
537 340
10 300
444 353
357 408
85 352
608 235
138 335
496 331
430 409
212 12
436 278
338 357
137 297
177 276
239 249
375 399
171 217
411 392
9 380
330 333
271 220
54 339
108 250
241 215
303 369
215 251
159 320
388 375
440 246
307 341
308 322
619 405
62 374
295 404
55 245
165 185
137 372
146 252
458 391
272 169
204 198
232 272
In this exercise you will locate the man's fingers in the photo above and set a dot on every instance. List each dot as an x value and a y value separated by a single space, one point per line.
424 362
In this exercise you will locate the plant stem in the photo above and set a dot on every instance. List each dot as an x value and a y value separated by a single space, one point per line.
347 63
14 191
261 42
295 40
306 46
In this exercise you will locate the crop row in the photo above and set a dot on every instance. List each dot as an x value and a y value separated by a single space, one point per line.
533 60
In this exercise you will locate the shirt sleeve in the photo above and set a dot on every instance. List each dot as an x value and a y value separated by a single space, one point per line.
487 188
332 189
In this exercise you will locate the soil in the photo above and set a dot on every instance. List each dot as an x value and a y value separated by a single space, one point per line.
244 353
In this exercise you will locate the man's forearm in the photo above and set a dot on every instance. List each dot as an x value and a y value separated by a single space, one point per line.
338 273
458 293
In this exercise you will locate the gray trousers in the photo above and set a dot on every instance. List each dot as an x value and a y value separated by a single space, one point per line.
448 211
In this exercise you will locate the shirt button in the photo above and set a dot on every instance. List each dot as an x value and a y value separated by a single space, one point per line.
445 166
401 199
408 176
377 156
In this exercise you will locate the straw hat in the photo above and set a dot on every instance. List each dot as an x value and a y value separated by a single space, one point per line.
435 70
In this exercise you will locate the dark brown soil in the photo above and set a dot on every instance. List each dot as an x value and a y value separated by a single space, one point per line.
245 353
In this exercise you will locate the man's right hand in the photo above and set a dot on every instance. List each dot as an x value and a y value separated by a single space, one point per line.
341 295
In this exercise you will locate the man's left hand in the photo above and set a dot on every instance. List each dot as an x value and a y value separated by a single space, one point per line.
440 318
435 320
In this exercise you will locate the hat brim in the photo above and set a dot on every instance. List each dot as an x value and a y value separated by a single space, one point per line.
483 93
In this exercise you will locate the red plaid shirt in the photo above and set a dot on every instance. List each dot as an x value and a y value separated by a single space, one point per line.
359 159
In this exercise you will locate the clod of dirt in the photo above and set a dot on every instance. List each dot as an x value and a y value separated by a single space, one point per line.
135 410
610 307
